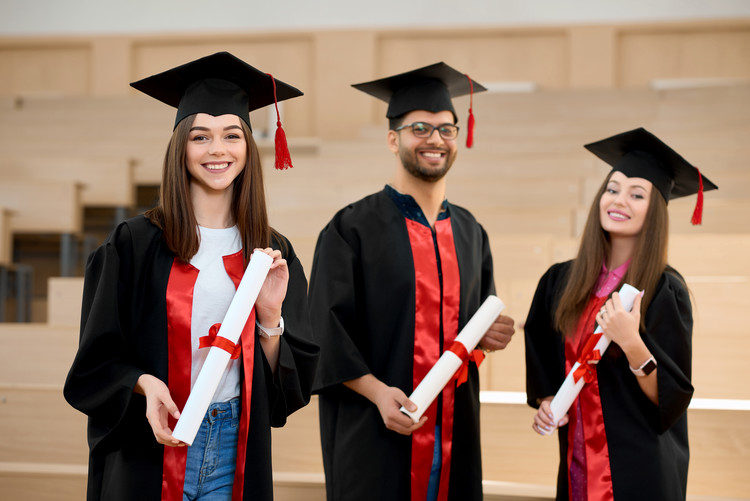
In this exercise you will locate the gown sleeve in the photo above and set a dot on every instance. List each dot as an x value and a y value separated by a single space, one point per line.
333 310
102 377
669 327
545 370
290 387
488 274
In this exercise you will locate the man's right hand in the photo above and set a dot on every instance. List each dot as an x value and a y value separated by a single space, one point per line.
388 400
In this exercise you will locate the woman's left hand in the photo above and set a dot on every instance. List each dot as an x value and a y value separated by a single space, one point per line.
619 325
273 292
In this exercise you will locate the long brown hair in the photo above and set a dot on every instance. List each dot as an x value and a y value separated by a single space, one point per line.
648 262
175 214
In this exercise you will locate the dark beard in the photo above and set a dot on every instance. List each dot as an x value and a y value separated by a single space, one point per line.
410 162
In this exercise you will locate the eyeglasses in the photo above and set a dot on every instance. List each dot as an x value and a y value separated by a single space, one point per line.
423 129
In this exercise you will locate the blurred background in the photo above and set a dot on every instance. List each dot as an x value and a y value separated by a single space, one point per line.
82 151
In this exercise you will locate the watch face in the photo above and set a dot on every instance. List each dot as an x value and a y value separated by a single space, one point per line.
649 367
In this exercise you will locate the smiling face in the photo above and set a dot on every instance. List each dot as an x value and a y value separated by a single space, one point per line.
425 158
624 204
216 152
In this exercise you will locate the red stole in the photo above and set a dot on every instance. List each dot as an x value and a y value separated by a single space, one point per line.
598 474
180 287
428 306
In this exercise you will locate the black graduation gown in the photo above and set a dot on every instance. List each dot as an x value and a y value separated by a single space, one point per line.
648 444
362 307
124 335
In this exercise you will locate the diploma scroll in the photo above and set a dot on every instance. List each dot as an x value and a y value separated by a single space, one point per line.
570 388
218 358
449 363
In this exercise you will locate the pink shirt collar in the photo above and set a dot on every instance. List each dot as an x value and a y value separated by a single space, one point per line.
608 280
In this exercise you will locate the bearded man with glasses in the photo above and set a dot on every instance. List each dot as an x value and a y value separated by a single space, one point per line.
395 277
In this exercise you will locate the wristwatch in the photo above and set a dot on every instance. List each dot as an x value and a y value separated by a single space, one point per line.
275 331
645 369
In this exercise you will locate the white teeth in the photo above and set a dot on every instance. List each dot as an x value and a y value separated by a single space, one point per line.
615 215
431 154
217 166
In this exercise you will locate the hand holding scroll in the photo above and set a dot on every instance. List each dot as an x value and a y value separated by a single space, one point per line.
499 334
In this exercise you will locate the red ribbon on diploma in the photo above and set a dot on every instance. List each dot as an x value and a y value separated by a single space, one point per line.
588 359
213 339
460 351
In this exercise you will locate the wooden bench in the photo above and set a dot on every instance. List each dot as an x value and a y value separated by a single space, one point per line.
64 296
34 353
43 481
107 181
6 236
42 206
515 458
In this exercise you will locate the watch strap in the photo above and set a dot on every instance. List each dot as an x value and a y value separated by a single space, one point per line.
271 332
646 368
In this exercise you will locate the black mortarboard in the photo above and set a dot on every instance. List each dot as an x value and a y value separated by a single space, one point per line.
429 88
218 84
639 153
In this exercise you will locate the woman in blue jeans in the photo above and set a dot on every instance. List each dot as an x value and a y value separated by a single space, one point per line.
157 289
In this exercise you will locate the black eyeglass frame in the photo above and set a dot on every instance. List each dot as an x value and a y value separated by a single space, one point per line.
431 128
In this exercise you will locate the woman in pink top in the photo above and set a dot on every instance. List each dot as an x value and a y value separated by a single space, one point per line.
625 436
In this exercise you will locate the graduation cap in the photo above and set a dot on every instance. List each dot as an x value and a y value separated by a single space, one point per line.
221 84
639 153
429 88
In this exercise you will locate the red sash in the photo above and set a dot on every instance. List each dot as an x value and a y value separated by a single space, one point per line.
180 287
427 344
598 474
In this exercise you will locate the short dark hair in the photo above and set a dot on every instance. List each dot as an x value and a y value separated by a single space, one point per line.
396 122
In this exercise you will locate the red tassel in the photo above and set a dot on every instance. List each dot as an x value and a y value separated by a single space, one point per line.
470 130
470 122
698 212
283 159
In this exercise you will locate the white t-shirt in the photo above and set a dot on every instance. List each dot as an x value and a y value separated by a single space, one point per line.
212 295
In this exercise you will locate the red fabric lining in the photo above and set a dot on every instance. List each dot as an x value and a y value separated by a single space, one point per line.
451 304
235 266
427 344
426 348
598 473
180 287
179 313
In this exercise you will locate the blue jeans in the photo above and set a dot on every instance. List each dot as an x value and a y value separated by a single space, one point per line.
209 472
437 459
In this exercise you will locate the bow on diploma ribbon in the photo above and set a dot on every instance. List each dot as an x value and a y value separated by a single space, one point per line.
461 352
582 371
222 346
234 349
590 356
456 358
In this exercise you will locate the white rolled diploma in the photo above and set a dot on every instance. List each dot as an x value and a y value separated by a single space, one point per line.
217 359
570 389
448 363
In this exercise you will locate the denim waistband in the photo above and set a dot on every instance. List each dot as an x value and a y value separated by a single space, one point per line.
224 410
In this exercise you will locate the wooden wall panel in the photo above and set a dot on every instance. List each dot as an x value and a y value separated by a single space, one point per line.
683 52
48 69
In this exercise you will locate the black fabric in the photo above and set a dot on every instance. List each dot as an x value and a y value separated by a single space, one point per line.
218 84
362 301
124 335
429 88
648 444
639 153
